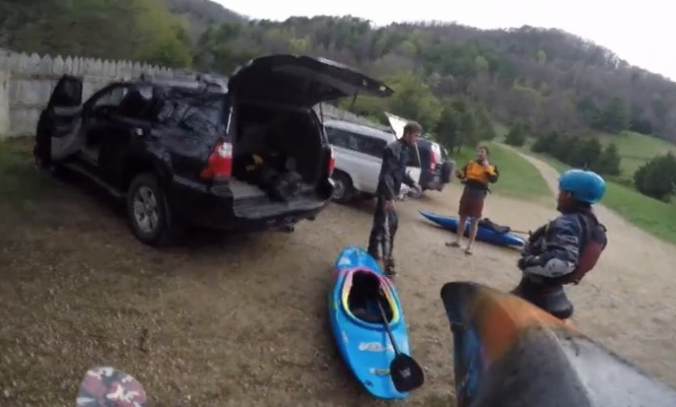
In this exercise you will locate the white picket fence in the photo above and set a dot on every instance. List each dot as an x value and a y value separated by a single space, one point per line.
27 81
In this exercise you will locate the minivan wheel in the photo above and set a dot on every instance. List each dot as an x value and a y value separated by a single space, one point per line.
343 191
147 211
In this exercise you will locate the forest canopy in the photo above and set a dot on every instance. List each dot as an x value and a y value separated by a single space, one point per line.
546 79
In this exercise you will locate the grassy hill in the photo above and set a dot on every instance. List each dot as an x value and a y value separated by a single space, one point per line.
635 149
547 78
518 178
201 14
141 30
651 215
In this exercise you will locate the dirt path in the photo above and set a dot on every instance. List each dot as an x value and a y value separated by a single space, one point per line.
241 321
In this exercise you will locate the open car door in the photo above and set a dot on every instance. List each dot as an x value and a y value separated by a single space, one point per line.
58 133
397 124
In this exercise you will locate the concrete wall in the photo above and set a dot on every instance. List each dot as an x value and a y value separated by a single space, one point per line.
27 81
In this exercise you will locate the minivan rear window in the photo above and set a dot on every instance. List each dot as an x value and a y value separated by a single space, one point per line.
356 142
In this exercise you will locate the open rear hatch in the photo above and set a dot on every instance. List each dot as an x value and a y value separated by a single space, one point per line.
301 81
284 89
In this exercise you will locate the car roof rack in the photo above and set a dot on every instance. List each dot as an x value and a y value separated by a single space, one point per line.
207 82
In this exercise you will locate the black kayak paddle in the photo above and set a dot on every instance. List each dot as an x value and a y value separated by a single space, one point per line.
406 373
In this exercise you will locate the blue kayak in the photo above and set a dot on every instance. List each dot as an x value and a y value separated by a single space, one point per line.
357 324
488 232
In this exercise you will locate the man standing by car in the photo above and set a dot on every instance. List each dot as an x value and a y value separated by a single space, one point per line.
476 175
392 173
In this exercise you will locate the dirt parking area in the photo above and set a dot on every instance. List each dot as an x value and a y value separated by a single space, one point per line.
241 320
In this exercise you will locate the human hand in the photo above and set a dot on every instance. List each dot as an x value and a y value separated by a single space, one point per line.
528 261
389 206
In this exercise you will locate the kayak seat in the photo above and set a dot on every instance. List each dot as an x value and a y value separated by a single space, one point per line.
362 290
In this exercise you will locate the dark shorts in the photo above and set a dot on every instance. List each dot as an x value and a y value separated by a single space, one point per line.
472 203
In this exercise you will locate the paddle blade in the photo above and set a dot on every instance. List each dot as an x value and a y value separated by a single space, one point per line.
406 373
107 387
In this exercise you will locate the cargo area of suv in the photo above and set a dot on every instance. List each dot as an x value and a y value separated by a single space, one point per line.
279 159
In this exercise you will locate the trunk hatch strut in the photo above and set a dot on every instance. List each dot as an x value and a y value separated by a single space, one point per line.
354 100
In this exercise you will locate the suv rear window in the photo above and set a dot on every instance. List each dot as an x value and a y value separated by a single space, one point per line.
194 112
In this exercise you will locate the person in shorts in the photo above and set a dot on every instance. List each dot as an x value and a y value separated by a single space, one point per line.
476 175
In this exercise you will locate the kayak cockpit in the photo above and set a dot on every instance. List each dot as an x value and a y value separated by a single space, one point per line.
361 293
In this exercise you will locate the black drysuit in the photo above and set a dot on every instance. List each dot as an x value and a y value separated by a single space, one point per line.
392 174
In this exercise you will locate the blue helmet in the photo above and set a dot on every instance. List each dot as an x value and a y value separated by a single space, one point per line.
586 186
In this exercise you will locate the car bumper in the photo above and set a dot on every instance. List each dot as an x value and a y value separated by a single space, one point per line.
432 180
196 204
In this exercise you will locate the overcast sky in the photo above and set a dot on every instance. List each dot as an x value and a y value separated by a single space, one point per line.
641 32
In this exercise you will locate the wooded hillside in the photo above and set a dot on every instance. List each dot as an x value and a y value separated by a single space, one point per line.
448 76
142 30
547 78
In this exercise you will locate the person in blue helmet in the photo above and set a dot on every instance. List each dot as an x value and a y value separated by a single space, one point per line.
565 249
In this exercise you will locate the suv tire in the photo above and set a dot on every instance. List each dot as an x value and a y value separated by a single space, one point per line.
343 191
147 211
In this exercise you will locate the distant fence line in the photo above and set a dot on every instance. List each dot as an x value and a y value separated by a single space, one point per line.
27 81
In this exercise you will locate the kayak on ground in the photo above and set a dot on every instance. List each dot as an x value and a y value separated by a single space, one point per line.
357 323
488 232
509 353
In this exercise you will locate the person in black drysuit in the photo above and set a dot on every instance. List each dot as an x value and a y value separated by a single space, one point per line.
392 173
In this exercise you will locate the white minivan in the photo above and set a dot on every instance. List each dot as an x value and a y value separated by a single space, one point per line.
358 151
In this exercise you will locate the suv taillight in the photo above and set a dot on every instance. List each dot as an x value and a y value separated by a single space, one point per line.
434 158
332 160
219 165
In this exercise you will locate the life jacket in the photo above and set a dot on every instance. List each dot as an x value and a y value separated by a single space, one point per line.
476 172
592 243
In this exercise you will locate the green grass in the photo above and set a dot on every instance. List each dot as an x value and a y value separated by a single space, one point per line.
19 180
518 178
653 216
635 149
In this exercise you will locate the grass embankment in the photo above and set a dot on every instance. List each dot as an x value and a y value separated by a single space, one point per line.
19 180
518 178
635 149
653 216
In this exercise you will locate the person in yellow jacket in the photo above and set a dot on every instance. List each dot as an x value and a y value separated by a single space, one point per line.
476 175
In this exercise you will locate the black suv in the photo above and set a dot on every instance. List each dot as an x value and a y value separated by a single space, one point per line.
249 153
436 167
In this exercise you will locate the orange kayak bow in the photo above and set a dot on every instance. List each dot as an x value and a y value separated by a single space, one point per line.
509 353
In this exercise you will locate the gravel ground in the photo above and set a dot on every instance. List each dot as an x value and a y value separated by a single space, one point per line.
241 320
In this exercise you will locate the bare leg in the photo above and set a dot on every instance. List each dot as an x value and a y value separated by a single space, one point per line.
473 229
462 220
459 232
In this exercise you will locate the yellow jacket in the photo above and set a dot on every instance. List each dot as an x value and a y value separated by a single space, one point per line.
477 175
